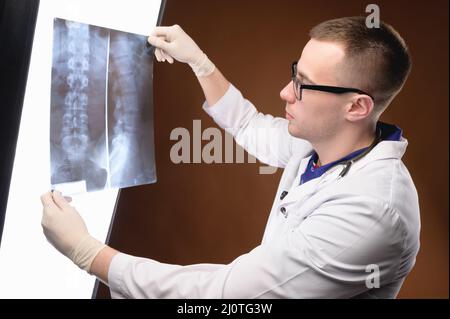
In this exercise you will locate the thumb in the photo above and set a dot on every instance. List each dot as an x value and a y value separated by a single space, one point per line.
60 200
158 42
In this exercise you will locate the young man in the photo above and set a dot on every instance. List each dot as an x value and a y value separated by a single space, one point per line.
345 220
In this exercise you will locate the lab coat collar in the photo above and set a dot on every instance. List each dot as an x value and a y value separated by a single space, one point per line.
388 149
388 132
393 145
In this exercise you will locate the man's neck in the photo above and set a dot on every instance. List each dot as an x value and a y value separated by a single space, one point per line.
342 145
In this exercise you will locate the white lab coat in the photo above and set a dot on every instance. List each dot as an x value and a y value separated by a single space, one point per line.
335 235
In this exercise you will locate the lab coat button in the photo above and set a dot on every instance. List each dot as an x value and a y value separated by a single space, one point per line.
283 211
283 195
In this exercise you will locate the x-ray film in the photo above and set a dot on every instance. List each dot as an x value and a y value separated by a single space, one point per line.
101 120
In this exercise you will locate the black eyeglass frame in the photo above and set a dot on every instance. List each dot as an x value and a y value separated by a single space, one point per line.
298 87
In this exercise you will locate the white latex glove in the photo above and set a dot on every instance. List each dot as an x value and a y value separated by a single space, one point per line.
173 43
66 231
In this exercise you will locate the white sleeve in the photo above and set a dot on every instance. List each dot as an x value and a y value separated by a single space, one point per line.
263 136
326 256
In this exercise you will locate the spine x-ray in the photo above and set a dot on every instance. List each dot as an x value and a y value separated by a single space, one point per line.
101 120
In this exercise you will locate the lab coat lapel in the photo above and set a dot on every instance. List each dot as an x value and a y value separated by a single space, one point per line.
299 192
385 149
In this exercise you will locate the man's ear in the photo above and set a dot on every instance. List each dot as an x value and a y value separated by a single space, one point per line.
359 108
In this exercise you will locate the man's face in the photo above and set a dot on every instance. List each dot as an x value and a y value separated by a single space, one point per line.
319 115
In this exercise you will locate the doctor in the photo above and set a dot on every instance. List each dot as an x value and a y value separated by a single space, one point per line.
345 219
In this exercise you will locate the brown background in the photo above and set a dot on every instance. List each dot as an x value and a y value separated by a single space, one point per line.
213 213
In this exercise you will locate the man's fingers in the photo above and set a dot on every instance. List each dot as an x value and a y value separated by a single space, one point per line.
167 57
158 54
158 42
162 57
166 32
60 200
47 200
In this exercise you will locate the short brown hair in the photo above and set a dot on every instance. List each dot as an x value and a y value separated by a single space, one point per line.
378 58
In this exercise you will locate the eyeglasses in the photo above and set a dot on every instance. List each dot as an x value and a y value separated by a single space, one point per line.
299 87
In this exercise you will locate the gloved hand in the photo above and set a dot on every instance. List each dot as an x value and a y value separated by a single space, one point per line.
66 231
173 43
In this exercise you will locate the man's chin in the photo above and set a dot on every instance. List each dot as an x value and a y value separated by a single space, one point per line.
294 131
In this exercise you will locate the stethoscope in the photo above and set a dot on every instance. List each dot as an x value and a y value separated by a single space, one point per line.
348 164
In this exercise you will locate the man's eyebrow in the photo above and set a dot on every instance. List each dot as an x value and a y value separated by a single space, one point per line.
305 77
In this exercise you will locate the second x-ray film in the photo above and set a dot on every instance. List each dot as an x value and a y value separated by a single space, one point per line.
101 120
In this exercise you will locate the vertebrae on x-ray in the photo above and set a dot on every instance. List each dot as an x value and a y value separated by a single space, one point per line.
124 143
75 134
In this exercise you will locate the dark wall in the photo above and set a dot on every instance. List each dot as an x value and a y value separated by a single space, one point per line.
215 212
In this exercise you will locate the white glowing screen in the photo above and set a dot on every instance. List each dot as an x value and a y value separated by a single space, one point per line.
29 266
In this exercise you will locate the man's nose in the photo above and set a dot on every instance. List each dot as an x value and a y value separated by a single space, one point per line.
287 93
